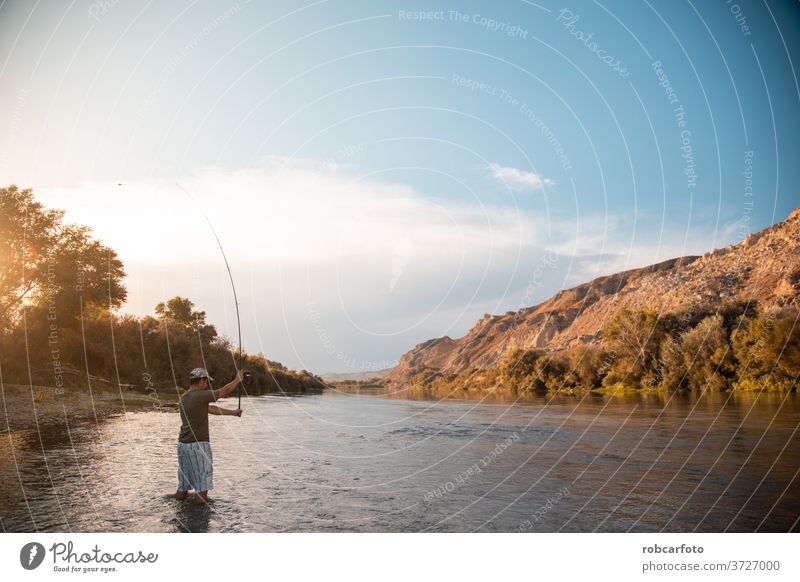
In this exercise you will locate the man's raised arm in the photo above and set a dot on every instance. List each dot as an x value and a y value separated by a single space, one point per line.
228 388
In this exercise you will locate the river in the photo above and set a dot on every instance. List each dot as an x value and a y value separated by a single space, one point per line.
363 463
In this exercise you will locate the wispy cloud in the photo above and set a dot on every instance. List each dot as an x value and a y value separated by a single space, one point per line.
517 179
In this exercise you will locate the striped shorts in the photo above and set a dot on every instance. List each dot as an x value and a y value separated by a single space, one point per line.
195 467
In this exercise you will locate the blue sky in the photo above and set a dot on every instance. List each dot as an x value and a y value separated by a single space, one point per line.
382 173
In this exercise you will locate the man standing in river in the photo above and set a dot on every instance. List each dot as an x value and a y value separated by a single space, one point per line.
195 467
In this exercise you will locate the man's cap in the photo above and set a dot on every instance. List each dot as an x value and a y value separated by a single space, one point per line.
199 373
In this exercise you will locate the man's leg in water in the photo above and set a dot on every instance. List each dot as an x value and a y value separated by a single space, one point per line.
205 481
184 469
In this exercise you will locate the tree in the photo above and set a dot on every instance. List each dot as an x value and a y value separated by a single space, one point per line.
518 369
588 365
768 351
45 262
180 312
700 358
533 370
634 337
672 366
27 238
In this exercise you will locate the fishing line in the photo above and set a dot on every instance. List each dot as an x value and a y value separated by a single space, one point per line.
233 287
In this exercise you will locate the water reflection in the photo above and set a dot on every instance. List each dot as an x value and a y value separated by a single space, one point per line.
364 462
189 518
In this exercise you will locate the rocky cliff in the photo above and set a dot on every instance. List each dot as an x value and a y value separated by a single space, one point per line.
764 267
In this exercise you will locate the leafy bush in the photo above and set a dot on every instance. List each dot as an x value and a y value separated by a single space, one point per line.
768 351
588 366
634 337
698 359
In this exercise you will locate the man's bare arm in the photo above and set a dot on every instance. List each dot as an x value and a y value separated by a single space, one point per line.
214 409
228 388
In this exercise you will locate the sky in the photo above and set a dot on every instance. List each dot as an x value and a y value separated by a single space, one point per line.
382 173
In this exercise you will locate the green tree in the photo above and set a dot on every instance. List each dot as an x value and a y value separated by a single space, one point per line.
588 365
534 370
47 263
768 351
700 358
518 368
180 312
634 337
672 365
27 239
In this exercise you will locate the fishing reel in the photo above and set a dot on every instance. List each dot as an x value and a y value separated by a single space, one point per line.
247 377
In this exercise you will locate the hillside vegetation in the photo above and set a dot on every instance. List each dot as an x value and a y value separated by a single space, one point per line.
725 320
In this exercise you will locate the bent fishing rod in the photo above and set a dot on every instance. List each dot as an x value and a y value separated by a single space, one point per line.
246 375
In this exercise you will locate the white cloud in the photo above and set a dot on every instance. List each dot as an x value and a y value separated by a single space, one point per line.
286 210
518 179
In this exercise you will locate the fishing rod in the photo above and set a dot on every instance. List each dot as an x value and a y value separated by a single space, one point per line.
247 375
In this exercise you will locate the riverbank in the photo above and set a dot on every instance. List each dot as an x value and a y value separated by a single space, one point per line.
29 407
486 387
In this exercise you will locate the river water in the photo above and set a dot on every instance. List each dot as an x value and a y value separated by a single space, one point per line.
346 462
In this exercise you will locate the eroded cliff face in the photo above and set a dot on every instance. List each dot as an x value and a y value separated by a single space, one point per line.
764 267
